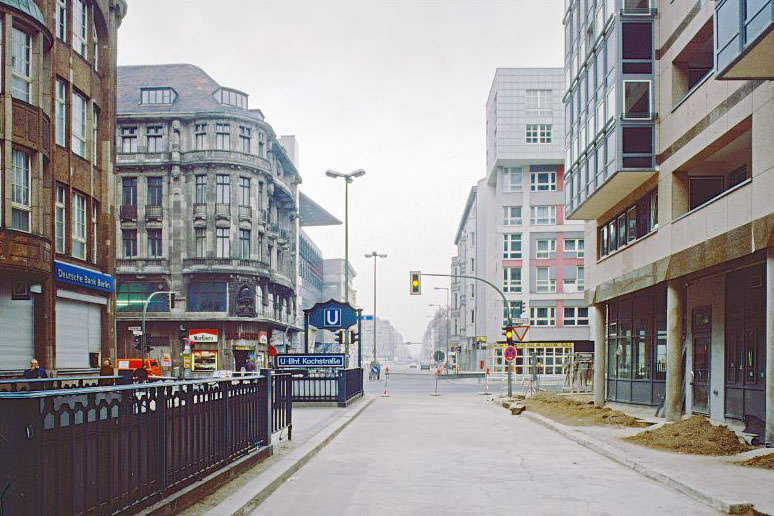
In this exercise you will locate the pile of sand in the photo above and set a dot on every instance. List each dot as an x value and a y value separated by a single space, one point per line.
571 410
760 461
694 435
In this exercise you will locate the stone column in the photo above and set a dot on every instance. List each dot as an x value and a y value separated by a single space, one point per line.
600 352
674 374
769 433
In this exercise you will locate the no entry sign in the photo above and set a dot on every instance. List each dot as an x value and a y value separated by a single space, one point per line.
509 353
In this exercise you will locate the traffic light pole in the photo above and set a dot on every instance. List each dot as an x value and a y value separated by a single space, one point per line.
146 344
505 306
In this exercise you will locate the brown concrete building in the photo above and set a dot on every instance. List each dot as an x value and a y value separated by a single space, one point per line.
56 182
669 148
208 209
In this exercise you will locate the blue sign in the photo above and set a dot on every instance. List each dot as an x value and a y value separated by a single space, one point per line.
332 318
82 277
366 317
310 360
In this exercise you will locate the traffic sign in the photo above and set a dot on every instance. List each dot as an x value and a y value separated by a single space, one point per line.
134 328
509 353
439 356
520 332
366 317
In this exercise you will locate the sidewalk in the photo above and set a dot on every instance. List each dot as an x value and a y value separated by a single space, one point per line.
313 427
716 481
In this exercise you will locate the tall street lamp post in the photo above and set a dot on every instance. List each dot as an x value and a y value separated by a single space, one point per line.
348 178
448 316
375 255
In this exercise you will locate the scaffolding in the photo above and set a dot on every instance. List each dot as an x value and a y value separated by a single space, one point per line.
578 372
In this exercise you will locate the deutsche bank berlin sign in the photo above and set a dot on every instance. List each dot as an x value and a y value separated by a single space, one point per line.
82 277
310 360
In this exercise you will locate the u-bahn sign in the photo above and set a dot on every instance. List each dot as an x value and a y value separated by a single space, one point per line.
311 360
332 316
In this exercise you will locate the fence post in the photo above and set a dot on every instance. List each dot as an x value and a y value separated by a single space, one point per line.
161 413
342 394
269 412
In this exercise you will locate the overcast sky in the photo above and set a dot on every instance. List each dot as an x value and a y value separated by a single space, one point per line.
398 88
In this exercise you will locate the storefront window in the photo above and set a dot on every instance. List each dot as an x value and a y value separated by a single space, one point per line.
207 297
131 298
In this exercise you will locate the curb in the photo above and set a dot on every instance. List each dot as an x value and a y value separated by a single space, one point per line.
246 499
620 457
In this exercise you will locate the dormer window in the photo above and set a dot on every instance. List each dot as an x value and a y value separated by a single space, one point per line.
158 95
231 98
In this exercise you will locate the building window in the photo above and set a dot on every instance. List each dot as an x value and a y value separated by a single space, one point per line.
472 316
20 65
131 297
61 112
61 19
231 98
511 279
512 216
78 222
539 102
261 145
153 138
223 242
155 189
21 205
80 24
636 99
512 246
200 240
513 175
244 244
223 136
129 191
223 189
200 136
154 243
545 248
545 280
542 181
129 238
576 316
542 316
574 248
538 133
94 229
207 297
79 125
94 134
128 139
512 310
244 191
59 218
543 215
157 95
200 193
95 43
573 280
633 223
244 139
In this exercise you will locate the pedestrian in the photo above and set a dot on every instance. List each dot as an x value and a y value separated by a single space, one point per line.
35 371
106 370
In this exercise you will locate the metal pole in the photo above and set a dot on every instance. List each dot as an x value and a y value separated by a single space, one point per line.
448 316
144 333
346 239
374 254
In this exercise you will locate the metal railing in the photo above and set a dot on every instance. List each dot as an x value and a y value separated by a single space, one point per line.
350 384
222 210
245 212
154 212
282 403
200 210
341 388
58 382
102 450
128 212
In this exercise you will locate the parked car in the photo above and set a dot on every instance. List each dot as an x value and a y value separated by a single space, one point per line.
424 366
413 366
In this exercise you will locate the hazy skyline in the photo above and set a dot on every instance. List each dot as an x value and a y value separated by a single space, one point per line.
398 88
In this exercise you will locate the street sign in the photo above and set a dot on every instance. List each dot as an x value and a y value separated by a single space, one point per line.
366 317
520 332
134 328
137 332
439 356
509 353
316 360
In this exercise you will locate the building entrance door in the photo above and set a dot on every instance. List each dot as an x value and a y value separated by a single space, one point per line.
702 339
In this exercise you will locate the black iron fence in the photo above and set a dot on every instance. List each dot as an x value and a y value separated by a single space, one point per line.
282 403
102 450
340 387
350 384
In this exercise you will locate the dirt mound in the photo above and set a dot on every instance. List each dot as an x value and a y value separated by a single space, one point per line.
570 410
694 435
760 461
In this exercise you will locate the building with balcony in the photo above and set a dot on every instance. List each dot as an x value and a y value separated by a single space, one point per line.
513 233
208 208
56 206
679 259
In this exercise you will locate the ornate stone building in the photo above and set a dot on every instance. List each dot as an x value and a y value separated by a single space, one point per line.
208 208
56 179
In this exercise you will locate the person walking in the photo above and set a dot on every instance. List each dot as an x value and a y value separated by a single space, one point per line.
35 371
106 370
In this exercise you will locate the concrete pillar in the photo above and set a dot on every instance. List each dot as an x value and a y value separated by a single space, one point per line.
769 434
674 373
600 352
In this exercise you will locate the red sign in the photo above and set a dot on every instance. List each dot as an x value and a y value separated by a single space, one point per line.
520 332
509 353
481 364
203 335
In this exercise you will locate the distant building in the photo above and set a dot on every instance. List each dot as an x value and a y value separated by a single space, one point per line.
512 233
57 234
334 278
668 146
388 341
208 204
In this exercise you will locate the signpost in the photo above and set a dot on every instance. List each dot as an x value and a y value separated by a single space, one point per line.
311 360
509 353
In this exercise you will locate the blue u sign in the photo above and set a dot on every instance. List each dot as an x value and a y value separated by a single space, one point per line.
332 318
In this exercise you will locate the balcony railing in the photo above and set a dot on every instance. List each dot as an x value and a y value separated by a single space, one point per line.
228 263
747 32
200 210
128 212
153 212
223 210
245 212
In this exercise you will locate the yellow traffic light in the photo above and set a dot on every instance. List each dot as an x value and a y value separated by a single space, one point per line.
415 286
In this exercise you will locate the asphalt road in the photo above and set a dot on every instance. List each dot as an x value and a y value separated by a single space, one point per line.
459 453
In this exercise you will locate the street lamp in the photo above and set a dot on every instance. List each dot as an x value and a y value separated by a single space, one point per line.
436 340
375 255
448 317
348 178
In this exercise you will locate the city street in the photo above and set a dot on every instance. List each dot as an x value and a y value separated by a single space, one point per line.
459 453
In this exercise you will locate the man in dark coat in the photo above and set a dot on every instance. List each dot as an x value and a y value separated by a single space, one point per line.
35 371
